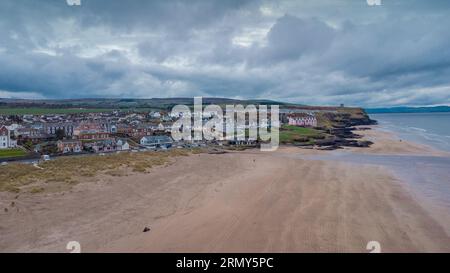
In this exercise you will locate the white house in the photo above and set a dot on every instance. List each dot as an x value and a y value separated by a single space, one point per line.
303 120
122 145
161 127
155 115
5 138
113 129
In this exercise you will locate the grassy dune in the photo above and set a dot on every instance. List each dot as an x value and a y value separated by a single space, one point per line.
17 177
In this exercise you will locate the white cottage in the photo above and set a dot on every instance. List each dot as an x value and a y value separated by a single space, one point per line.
5 138
122 145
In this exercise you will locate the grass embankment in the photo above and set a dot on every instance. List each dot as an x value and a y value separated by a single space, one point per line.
64 171
12 153
293 134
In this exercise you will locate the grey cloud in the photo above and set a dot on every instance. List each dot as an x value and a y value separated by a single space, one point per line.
291 37
318 52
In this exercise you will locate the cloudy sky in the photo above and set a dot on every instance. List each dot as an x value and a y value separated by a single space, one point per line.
302 51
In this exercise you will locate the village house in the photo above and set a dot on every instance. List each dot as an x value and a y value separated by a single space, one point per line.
106 126
93 136
91 131
165 126
125 129
113 129
5 138
52 128
103 146
69 146
303 120
122 145
141 130
34 135
157 141
155 115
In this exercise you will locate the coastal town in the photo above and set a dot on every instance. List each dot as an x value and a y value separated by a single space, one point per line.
42 136
57 134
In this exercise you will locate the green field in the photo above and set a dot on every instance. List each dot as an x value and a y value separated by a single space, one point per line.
43 111
12 153
291 133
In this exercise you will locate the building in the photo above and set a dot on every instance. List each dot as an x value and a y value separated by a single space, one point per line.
103 146
107 127
69 146
304 120
125 129
155 115
67 127
141 130
157 141
122 145
93 136
113 129
91 131
5 138
34 135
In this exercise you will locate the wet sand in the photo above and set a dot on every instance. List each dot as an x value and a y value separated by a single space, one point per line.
247 201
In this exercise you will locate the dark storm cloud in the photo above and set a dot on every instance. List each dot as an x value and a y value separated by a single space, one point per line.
317 52
292 37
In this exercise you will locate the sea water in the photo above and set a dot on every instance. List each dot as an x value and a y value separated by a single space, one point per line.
426 128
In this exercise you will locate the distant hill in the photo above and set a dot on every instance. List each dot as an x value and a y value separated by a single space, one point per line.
100 103
96 105
433 109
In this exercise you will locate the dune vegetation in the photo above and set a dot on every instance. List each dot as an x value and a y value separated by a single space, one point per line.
16 177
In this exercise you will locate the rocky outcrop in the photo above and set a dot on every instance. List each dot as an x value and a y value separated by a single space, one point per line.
341 128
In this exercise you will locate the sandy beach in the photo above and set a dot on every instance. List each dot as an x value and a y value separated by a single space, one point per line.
248 201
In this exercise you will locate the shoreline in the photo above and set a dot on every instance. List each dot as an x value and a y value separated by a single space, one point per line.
388 142
248 201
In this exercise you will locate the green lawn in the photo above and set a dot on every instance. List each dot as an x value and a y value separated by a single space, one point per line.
43 111
12 153
291 133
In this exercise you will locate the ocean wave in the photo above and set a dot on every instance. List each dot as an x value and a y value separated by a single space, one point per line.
417 129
